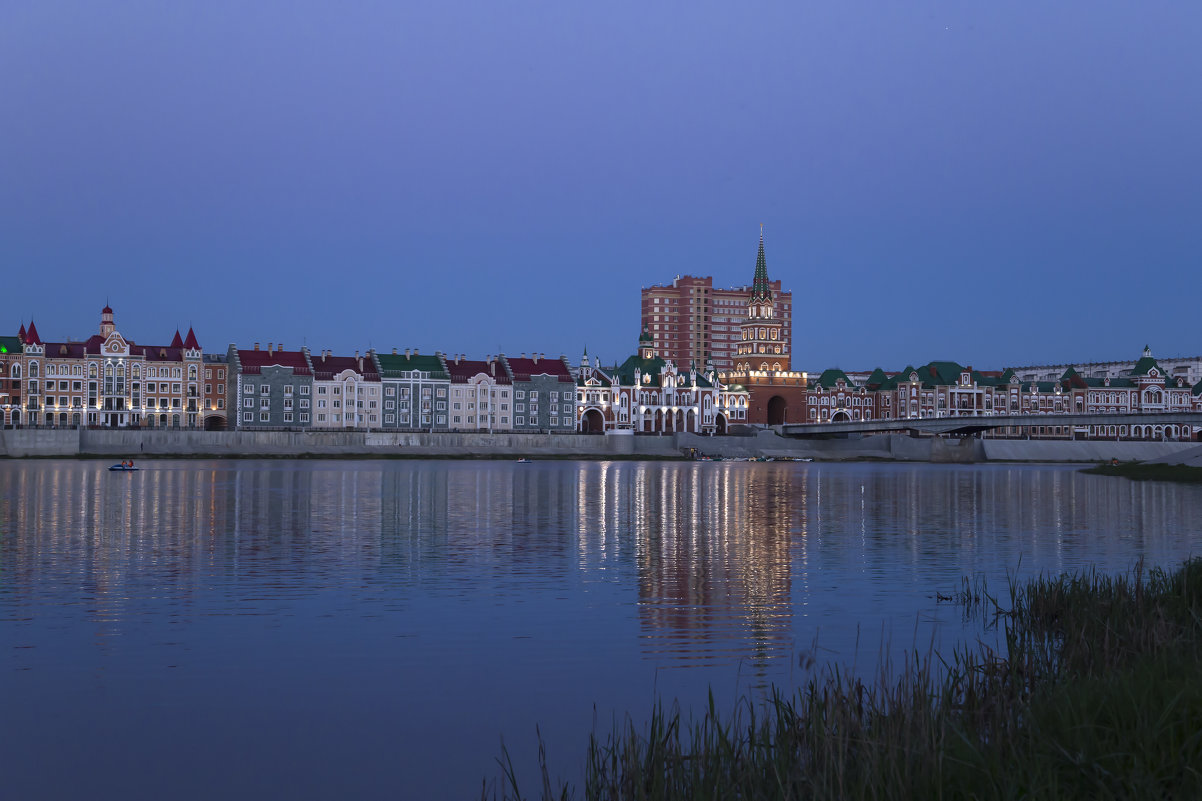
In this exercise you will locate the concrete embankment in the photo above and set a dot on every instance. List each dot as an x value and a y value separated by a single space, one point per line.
885 447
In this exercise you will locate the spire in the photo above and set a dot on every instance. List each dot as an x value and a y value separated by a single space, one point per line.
190 341
177 341
759 287
21 333
31 336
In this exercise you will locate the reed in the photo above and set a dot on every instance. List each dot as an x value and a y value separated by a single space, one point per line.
1092 693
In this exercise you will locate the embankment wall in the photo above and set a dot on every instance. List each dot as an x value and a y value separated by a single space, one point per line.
885 447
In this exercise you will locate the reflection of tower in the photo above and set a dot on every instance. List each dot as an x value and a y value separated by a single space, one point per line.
711 544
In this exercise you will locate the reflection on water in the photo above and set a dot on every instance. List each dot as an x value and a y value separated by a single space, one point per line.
487 584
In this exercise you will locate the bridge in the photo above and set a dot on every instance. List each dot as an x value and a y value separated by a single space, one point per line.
966 425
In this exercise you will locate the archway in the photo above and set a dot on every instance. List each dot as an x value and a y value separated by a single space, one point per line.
591 422
720 423
777 409
841 416
213 422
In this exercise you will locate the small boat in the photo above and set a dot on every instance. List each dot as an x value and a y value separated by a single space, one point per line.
122 468
523 460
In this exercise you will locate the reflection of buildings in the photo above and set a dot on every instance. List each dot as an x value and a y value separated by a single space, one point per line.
711 545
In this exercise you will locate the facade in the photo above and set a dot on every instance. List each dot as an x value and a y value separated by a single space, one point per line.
692 322
11 349
946 389
481 395
1188 368
216 378
763 360
106 380
647 394
270 388
347 392
544 394
410 381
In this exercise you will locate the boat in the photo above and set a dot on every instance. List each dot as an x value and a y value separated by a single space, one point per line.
123 468
523 460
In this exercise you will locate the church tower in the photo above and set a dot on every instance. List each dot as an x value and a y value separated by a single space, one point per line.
763 346
106 321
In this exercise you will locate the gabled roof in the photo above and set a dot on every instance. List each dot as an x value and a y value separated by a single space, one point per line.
831 376
525 369
466 369
1198 388
1141 368
646 367
1072 380
325 367
253 361
593 374
393 364
877 379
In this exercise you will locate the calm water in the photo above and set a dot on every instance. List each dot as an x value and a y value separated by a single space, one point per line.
316 630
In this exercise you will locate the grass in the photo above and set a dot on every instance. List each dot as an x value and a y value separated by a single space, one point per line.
1094 695
1149 472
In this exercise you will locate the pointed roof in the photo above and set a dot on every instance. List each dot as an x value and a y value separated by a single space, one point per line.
190 341
31 336
177 341
876 379
21 333
832 376
760 290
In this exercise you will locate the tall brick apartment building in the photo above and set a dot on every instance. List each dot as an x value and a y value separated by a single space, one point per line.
692 322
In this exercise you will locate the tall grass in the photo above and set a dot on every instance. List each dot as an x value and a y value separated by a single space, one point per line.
1096 693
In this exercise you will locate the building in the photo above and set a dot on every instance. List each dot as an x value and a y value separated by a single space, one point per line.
105 380
763 360
648 394
544 393
11 350
216 370
692 322
1188 368
408 380
947 389
347 392
271 388
481 395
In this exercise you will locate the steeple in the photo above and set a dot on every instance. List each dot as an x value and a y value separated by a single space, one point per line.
106 321
190 341
177 341
31 336
759 287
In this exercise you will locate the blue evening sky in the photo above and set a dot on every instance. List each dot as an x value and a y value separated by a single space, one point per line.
990 182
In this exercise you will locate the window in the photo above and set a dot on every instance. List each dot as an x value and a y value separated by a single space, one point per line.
304 418
521 421
287 417
248 403
249 389
304 389
247 417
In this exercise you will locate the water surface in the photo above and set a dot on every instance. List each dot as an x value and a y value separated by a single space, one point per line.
244 629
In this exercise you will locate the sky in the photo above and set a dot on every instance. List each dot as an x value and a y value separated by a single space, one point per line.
992 183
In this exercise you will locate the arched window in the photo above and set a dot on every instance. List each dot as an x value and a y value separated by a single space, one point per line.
33 369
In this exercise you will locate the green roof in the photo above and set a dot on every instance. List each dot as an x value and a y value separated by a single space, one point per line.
831 376
651 367
393 363
11 345
1144 365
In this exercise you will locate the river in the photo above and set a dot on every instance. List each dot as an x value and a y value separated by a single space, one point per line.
376 629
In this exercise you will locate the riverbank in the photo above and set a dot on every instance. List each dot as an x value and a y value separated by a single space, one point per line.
163 443
1093 696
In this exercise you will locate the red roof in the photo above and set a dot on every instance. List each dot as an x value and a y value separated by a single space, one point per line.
254 360
190 341
326 367
177 341
462 372
107 309
523 369
31 336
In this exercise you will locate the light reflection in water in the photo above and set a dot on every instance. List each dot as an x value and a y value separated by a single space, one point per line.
485 583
